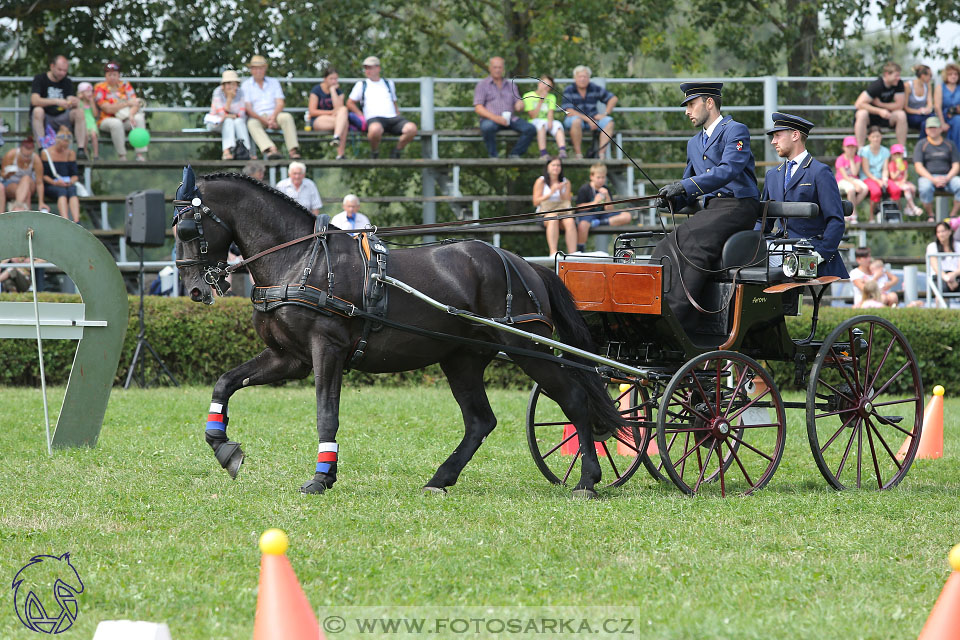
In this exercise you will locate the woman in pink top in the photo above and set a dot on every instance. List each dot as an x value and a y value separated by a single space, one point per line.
848 168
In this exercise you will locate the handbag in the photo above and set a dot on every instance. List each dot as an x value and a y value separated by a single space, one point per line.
240 152
81 189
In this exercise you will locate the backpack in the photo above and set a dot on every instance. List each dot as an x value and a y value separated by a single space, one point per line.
363 91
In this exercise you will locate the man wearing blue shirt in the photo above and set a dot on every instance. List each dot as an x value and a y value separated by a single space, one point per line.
720 171
803 178
580 104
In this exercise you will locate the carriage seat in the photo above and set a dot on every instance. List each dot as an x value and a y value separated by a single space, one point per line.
750 247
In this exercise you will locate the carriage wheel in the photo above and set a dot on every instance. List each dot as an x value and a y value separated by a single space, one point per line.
864 398
554 445
705 442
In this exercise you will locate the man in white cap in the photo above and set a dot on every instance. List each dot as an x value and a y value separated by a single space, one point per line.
350 217
375 101
264 102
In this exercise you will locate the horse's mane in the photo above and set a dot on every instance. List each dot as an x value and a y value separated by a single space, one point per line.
262 185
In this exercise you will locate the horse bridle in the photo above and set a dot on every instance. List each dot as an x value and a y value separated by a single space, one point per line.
189 229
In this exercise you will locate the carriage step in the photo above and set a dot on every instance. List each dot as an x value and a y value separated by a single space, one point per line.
893 419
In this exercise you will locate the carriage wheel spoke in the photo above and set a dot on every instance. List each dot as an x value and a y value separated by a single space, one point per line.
883 360
873 453
562 442
839 431
890 423
859 454
835 391
866 366
570 468
892 378
751 447
885 445
846 376
703 394
736 390
610 459
630 445
846 453
686 452
748 405
703 466
740 464
696 447
856 362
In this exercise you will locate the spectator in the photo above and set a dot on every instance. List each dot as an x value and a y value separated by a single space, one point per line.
255 169
947 268
55 103
15 279
874 172
61 178
495 100
937 163
881 105
264 102
540 105
848 176
327 111
552 191
228 115
350 217
300 188
595 192
886 280
946 102
120 110
374 101
871 296
580 101
22 171
860 274
90 114
897 172
919 98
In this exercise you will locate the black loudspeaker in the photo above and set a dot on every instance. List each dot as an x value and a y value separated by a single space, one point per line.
146 219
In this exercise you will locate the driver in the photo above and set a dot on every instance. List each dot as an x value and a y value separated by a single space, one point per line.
720 170
803 178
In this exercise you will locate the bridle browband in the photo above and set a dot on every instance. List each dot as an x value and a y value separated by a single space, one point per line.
190 228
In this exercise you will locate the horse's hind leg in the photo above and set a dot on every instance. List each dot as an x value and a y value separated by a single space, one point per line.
269 366
465 375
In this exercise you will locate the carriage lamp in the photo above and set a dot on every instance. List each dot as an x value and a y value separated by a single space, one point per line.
801 263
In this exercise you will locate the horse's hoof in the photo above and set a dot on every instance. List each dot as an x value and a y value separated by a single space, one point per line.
434 491
584 494
230 456
313 486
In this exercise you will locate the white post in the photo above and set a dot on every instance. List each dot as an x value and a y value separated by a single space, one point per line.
36 313
769 107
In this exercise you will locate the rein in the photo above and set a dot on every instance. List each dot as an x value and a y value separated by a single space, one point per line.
402 230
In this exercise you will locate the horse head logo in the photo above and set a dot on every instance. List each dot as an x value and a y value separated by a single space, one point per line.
51 579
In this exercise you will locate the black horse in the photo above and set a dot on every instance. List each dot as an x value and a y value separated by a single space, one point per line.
471 275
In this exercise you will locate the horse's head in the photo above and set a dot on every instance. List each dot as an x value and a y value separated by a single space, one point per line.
203 240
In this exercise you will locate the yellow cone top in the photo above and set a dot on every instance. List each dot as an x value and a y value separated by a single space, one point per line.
625 386
938 390
954 558
274 542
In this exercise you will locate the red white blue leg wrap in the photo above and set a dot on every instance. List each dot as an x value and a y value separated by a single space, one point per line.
217 418
327 458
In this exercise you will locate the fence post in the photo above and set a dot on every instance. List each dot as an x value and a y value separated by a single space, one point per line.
909 283
769 106
429 177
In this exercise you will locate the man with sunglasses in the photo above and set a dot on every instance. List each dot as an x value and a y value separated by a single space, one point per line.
55 103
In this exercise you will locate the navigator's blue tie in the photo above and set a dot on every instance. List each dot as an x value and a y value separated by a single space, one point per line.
789 173
703 139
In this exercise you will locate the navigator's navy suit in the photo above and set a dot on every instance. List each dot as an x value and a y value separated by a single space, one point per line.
812 181
722 172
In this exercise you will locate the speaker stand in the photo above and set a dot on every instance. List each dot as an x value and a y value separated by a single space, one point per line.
142 343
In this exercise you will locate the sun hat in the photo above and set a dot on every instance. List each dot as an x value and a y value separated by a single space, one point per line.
850 141
84 86
229 76
897 148
257 61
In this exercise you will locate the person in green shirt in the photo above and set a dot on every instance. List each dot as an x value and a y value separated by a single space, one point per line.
539 106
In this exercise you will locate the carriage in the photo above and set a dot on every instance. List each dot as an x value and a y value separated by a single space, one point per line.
705 410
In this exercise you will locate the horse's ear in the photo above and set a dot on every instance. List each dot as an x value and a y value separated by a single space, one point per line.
188 186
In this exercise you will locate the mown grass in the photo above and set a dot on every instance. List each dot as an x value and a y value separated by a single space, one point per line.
159 532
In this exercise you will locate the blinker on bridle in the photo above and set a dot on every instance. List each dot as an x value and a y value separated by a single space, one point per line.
190 229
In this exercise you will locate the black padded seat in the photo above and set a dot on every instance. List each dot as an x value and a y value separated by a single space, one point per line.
748 248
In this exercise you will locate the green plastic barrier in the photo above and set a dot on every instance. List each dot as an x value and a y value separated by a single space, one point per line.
91 267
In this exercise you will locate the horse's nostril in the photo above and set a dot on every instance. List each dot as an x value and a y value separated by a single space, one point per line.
195 293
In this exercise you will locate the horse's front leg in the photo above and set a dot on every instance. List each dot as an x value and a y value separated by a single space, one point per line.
269 366
328 372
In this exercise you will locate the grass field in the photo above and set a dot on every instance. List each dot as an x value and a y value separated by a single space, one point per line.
157 531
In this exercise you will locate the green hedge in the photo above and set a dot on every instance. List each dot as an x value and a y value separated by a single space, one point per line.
198 343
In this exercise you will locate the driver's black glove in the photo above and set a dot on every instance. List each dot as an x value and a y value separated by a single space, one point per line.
672 190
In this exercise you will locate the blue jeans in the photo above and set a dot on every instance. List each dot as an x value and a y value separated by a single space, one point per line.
489 128
925 189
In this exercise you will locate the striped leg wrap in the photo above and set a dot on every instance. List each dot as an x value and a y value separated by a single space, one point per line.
217 418
327 458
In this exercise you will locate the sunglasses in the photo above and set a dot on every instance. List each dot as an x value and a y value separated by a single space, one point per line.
64 136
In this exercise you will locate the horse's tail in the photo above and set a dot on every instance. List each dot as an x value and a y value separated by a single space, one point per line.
573 331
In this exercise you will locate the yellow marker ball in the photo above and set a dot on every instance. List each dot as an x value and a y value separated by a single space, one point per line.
274 542
625 387
938 390
954 558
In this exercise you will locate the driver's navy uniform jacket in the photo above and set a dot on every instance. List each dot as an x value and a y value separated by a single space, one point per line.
812 181
723 167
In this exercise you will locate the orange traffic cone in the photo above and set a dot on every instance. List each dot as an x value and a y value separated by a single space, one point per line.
283 610
931 437
944 620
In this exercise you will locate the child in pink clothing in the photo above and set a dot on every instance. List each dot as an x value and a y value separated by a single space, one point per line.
848 170
897 170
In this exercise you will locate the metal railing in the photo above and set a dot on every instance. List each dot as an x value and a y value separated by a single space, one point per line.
934 281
